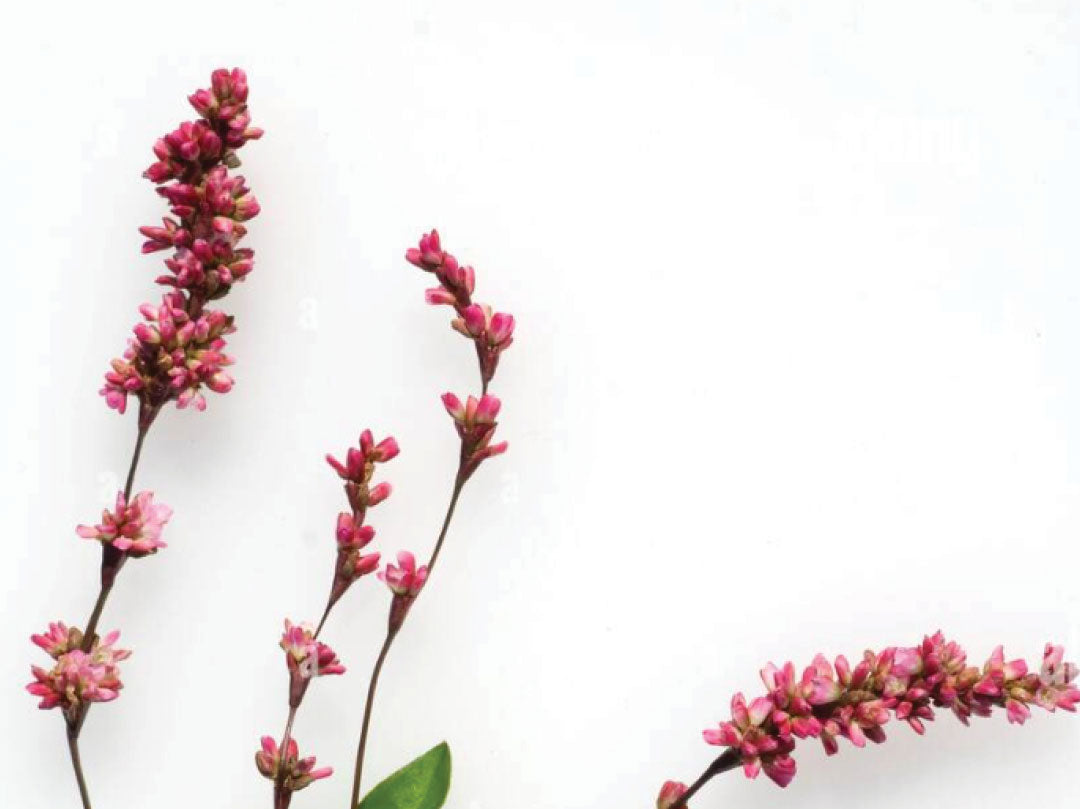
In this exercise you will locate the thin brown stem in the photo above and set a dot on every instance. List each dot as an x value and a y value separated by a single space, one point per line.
135 455
322 621
95 616
459 484
76 764
390 635
728 760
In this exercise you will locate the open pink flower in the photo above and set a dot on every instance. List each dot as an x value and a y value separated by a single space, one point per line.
77 677
134 529
404 579
305 654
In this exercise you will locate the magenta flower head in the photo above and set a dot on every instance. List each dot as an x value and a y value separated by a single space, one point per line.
670 792
475 424
306 659
491 333
358 469
287 770
178 351
134 529
405 581
833 700
78 677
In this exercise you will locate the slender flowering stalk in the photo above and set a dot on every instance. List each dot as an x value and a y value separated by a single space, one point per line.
176 353
475 422
306 657
832 700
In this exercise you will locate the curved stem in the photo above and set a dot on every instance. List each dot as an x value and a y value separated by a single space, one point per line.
459 484
76 764
390 635
728 760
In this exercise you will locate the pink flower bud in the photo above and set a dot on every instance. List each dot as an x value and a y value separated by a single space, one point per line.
670 792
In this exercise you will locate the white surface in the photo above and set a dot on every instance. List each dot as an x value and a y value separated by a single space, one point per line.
796 369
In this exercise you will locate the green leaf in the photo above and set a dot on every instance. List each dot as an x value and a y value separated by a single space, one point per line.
421 784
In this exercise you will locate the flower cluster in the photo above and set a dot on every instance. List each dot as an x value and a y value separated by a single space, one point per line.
179 350
475 424
352 534
306 657
405 580
79 676
286 769
491 333
832 700
134 529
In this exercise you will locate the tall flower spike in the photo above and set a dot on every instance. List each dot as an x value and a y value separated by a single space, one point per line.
178 351
833 700
491 333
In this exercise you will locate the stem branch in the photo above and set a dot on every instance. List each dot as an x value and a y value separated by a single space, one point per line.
728 760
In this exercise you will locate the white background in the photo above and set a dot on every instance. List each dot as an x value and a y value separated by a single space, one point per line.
796 370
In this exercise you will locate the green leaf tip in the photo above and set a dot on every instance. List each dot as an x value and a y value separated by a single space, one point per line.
421 784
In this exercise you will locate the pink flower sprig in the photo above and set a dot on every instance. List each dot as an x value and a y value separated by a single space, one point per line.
352 534
286 769
491 332
178 351
134 529
306 658
475 423
832 700
405 581
77 677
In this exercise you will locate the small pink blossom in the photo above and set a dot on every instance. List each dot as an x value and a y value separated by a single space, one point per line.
404 579
491 333
78 677
360 461
306 658
134 529
475 424
58 639
286 769
670 792
310 657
